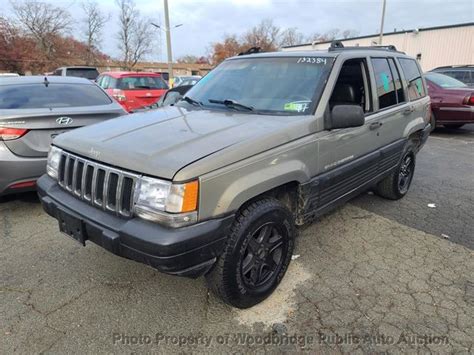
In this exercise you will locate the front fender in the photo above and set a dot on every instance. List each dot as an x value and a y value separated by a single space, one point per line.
249 186
227 189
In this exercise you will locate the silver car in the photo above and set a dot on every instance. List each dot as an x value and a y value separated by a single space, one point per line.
33 110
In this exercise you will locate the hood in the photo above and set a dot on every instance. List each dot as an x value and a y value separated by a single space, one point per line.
161 142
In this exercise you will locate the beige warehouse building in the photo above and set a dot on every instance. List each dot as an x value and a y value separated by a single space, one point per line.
433 46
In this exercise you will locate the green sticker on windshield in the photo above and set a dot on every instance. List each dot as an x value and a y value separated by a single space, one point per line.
297 106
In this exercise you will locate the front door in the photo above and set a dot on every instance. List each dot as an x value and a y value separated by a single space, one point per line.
348 157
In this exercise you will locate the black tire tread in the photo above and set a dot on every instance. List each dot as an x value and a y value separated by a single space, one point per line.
216 278
388 187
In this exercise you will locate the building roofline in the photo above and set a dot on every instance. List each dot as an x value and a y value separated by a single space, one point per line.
386 34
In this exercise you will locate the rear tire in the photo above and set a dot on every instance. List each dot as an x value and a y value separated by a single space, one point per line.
256 256
453 126
396 185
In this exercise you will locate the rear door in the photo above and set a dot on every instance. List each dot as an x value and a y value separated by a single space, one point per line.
392 110
42 112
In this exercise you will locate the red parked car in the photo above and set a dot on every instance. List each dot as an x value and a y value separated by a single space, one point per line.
452 101
133 90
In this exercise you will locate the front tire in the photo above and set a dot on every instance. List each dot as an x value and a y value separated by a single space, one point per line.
396 185
256 256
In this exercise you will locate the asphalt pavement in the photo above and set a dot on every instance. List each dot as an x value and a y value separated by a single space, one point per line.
373 276
441 197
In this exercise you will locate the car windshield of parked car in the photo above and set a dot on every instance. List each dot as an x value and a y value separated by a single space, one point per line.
141 83
445 81
286 85
31 96
88 73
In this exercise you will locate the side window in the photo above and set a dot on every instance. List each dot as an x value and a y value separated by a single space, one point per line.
412 75
397 81
57 72
105 82
352 86
385 84
461 75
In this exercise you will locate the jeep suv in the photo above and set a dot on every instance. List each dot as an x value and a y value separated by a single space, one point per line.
217 184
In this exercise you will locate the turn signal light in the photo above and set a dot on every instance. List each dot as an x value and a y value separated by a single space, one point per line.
190 198
8 134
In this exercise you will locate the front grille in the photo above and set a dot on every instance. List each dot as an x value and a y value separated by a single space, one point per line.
100 185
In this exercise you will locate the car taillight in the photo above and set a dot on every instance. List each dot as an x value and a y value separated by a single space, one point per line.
469 100
119 95
8 134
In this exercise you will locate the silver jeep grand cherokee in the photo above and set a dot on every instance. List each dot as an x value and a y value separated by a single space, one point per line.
216 184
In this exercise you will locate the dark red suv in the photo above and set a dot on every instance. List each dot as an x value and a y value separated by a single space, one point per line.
452 102
133 90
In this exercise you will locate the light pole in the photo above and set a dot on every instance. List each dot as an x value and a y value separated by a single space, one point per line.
381 22
167 31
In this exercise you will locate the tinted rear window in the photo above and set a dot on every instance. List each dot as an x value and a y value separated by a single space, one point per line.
25 96
141 83
87 73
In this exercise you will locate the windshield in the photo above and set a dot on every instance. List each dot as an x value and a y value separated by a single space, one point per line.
88 73
445 81
290 85
141 83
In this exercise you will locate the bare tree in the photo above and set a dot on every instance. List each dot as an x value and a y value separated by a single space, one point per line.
314 37
265 35
43 21
349 33
290 37
135 34
331 34
94 21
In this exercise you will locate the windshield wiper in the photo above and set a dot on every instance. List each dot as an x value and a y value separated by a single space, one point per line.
191 101
231 104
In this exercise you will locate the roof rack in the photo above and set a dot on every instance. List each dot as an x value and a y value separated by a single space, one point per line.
338 46
251 50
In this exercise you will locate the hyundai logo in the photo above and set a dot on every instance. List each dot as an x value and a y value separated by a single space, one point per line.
64 120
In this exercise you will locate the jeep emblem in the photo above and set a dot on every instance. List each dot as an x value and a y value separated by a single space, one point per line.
64 120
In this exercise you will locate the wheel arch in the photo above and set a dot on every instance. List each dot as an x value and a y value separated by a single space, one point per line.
280 181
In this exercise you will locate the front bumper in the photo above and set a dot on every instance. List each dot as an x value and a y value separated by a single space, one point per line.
15 169
188 251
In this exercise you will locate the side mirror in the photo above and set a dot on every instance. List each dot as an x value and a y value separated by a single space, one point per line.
346 116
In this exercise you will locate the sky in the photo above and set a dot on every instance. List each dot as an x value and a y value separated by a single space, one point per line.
207 21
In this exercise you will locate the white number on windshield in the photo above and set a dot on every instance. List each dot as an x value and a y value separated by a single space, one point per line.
312 60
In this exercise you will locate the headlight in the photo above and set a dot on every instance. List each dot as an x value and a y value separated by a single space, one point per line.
174 205
54 157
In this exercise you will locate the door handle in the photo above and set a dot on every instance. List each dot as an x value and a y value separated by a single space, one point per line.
375 125
408 110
